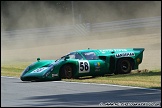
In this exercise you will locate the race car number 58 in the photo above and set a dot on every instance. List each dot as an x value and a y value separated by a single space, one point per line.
84 66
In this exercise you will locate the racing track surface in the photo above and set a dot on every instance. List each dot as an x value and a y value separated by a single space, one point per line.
15 93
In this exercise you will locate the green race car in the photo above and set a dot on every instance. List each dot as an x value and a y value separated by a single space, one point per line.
88 62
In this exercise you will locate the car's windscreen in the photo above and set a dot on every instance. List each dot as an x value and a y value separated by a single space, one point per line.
60 59
73 55
90 55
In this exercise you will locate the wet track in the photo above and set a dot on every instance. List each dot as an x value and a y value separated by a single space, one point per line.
15 93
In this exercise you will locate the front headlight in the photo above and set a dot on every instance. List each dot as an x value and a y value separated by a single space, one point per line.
49 71
46 74
26 70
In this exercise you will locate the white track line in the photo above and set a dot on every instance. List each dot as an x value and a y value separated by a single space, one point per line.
94 84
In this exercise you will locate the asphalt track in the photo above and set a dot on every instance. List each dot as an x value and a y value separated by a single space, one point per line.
15 93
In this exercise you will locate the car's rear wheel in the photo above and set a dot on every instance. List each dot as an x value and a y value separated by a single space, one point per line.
67 71
124 66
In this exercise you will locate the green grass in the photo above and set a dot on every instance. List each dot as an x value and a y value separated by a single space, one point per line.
148 79
13 69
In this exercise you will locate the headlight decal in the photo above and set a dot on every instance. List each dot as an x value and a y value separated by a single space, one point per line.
51 69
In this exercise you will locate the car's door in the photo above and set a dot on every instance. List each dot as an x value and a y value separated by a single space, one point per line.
92 65
98 67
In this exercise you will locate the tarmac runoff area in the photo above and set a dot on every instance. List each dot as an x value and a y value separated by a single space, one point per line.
15 93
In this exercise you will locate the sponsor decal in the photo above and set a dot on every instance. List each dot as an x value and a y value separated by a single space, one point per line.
110 50
97 66
130 54
138 60
89 53
53 75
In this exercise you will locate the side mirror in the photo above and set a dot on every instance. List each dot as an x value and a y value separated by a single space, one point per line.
38 59
67 57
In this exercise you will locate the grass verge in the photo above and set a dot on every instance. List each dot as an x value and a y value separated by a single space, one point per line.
149 79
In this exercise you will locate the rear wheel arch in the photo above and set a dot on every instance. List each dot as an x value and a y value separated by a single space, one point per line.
112 64
128 61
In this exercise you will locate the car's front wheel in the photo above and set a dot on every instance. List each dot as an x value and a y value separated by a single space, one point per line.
67 71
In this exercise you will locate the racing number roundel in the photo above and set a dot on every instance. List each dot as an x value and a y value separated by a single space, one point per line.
84 66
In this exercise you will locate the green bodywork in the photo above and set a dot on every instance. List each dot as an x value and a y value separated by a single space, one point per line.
105 62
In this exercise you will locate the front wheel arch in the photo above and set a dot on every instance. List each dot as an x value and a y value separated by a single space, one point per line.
61 71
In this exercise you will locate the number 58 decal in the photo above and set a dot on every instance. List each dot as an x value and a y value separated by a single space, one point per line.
84 66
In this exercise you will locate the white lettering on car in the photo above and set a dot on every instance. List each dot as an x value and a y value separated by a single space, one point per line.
110 50
39 70
130 54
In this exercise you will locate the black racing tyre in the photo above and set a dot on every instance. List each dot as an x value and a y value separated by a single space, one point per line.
66 71
124 66
116 72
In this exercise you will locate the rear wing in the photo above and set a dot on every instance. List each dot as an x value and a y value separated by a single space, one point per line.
139 53
139 49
